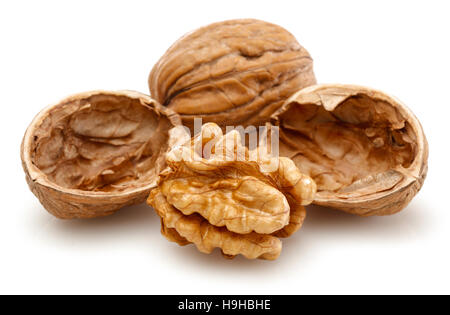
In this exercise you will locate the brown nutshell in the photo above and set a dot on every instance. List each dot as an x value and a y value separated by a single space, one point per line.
366 150
232 73
96 152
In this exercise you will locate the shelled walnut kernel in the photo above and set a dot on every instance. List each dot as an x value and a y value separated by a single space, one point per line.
229 197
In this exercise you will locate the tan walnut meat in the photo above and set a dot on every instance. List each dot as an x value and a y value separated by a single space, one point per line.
217 193
95 152
232 73
366 150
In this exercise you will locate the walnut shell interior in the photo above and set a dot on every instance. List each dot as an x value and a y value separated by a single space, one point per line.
95 152
365 150
231 73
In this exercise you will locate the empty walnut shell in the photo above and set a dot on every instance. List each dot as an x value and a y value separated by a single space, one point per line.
93 153
365 150
231 73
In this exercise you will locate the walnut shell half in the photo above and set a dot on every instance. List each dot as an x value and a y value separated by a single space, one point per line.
232 73
366 151
95 152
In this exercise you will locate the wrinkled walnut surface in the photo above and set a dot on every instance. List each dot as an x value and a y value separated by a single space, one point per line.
233 72
359 145
96 146
228 202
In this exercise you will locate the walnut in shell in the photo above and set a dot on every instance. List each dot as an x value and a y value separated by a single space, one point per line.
93 153
231 73
216 193
366 150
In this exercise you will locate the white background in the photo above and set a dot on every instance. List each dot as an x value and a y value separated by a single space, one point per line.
49 49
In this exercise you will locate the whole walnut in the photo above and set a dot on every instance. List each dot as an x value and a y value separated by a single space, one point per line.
235 72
